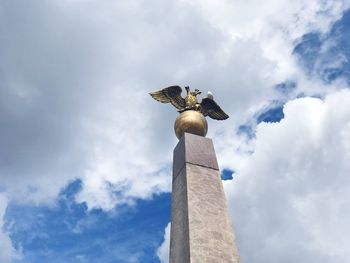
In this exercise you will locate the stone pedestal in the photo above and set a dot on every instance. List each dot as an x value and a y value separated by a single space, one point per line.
201 230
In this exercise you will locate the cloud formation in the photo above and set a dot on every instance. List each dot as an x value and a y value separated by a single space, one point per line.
74 100
293 192
163 250
8 252
74 78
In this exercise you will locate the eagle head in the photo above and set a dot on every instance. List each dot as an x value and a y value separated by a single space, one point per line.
210 95
197 91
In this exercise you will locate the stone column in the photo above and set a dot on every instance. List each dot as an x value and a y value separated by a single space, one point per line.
201 229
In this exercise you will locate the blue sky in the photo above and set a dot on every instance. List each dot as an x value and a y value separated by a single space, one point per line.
68 232
85 153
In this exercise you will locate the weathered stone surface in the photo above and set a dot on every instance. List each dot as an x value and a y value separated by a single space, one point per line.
196 150
179 242
201 230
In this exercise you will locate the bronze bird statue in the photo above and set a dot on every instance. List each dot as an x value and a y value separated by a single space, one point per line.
207 107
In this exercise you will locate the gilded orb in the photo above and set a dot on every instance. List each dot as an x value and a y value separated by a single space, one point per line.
190 121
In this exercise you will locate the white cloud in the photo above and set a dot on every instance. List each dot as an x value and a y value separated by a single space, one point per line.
275 25
74 78
243 18
74 100
163 250
8 252
290 199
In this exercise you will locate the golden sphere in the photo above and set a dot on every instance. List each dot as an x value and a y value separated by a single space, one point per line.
190 121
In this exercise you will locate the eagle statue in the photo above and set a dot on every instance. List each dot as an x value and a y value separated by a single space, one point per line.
207 107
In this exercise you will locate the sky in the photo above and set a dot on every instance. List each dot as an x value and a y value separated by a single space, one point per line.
86 154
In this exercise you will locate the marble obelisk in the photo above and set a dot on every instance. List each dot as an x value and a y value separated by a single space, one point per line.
201 230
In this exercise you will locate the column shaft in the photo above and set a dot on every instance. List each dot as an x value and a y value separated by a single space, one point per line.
201 230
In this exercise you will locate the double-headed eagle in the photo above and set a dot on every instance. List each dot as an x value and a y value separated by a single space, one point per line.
207 107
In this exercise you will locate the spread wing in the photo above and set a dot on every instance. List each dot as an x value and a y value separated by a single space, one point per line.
211 109
170 94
